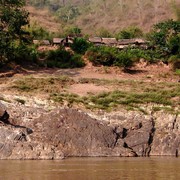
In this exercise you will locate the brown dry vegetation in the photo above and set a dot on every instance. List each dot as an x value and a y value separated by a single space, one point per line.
115 15
43 18
112 15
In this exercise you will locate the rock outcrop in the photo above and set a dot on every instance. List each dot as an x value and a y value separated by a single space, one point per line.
69 132
166 140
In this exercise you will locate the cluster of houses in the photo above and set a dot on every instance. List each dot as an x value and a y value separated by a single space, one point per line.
120 44
97 41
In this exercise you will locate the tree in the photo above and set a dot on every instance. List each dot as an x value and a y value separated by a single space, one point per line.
166 37
12 20
80 45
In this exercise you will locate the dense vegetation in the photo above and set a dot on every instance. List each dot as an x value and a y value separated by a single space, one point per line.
166 39
13 36
63 59
16 43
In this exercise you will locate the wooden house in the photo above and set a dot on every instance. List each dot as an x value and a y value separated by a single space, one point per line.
109 41
97 41
45 42
126 41
41 42
58 41
136 42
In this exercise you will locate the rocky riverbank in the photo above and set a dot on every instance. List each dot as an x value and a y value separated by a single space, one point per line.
67 132
90 112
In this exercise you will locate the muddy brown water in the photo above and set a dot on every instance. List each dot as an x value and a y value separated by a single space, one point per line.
92 169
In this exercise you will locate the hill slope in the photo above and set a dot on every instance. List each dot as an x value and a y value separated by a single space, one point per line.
113 15
43 18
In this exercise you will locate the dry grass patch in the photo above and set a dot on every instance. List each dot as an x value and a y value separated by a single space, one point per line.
129 94
42 84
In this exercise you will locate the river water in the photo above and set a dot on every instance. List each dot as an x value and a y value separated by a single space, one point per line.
92 169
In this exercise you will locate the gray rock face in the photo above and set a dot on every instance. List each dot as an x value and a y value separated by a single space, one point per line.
166 140
10 138
68 132
2 109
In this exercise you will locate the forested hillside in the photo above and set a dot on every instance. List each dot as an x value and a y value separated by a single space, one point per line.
113 15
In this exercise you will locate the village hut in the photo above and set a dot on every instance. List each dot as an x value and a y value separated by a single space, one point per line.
97 41
126 41
58 41
45 42
141 41
136 42
109 41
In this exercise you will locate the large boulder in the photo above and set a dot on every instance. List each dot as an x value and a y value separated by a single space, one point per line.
166 141
69 132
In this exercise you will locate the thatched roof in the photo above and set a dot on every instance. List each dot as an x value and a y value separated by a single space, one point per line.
109 41
41 42
141 41
95 39
44 42
131 41
58 40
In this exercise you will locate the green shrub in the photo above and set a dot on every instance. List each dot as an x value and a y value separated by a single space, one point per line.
24 54
130 32
102 55
80 45
124 59
177 72
59 55
175 62
13 19
165 37
38 32
149 55
174 44
63 59
109 56
77 61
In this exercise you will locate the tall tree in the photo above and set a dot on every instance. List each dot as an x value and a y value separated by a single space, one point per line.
12 20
